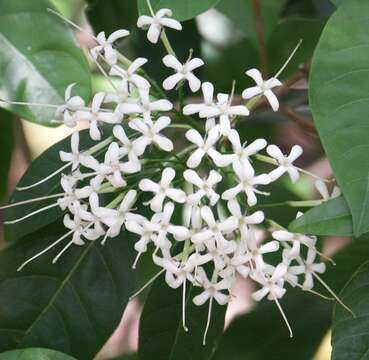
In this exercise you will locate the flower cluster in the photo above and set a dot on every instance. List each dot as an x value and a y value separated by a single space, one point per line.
201 200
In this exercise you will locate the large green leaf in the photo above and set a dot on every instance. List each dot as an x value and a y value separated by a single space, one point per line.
44 165
6 148
182 9
72 306
34 354
339 98
350 335
262 333
161 334
39 58
333 217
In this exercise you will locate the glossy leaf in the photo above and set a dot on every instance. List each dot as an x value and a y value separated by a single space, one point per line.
338 89
6 148
34 354
330 218
39 58
262 334
72 306
161 335
350 335
182 9
44 165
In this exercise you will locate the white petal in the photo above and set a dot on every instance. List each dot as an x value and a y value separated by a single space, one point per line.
282 235
194 64
260 294
208 91
195 159
163 142
161 123
117 35
275 152
255 146
201 299
171 23
154 33
195 137
192 177
193 82
97 101
273 101
296 152
140 82
208 216
176 195
170 82
213 178
232 192
167 176
256 75
191 109
251 92
136 64
144 21
172 62
148 185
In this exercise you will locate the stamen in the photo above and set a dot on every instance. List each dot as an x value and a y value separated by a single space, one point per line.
30 201
136 260
147 284
28 103
31 214
315 292
333 294
71 23
45 250
185 328
313 175
325 257
288 60
105 238
208 321
21 188
283 315
56 258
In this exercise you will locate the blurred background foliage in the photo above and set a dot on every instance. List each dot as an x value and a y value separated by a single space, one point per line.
232 37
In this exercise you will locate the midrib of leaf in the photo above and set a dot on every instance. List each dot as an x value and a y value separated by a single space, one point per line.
27 62
61 287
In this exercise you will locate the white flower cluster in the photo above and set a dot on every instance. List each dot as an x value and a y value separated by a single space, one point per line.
211 183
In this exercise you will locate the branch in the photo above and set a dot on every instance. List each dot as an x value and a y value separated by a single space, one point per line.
263 53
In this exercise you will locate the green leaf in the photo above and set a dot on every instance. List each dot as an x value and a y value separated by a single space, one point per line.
6 148
34 354
39 58
71 306
350 335
182 9
161 335
339 102
262 334
44 165
241 13
332 217
286 36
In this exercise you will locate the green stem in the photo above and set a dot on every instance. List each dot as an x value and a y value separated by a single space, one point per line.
166 43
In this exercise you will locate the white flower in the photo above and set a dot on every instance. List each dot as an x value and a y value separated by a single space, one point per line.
162 190
256 252
296 240
205 186
236 263
207 108
284 162
242 153
151 134
146 107
115 218
129 147
242 220
72 104
77 226
226 112
105 46
321 186
206 146
68 184
183 72
120 95
211 289
130 75
247 182
74 156
308 269
156 23
271 285
95 116
162 226
262 88
215 230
